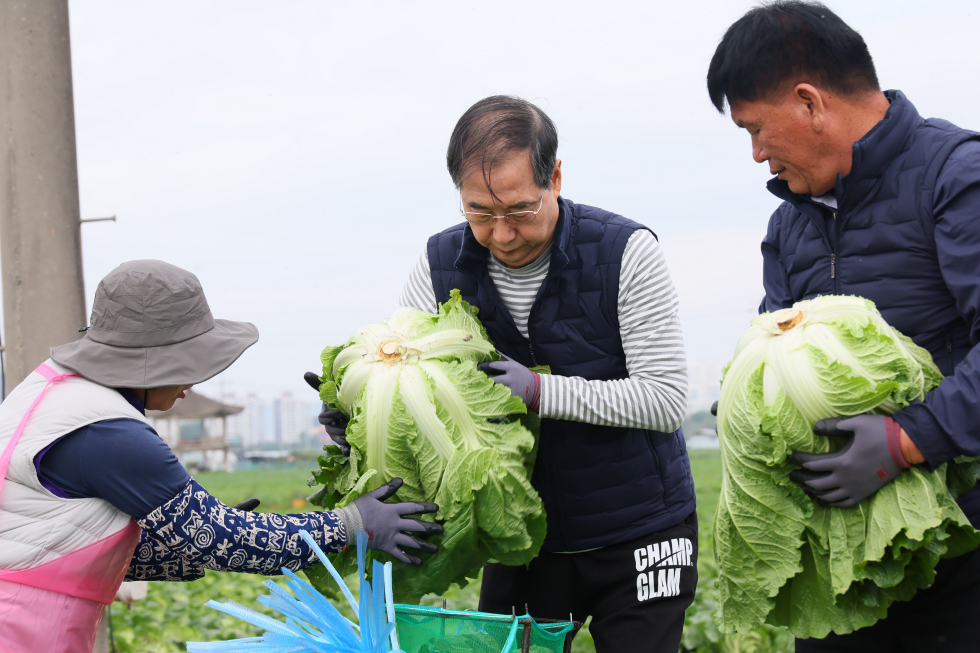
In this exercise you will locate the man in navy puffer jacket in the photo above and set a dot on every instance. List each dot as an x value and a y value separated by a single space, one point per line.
881 203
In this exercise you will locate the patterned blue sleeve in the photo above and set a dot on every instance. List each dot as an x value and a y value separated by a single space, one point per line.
204 532
152 560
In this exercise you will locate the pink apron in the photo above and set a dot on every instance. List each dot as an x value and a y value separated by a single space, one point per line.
56 607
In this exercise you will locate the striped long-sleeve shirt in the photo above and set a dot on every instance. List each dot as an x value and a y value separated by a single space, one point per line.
655 394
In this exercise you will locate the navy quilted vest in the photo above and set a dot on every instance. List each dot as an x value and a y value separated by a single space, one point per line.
600 485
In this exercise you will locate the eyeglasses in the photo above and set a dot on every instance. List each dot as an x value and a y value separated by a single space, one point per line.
517 217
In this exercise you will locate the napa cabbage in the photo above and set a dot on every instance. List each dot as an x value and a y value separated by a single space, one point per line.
422 411
784 559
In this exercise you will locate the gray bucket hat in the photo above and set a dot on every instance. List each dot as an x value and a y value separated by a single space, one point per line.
151 326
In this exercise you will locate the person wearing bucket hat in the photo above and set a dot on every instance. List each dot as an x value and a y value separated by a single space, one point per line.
90 495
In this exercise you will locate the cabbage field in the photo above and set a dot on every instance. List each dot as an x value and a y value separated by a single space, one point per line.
172 613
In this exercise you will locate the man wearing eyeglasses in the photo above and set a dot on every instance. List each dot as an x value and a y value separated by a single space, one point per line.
586 292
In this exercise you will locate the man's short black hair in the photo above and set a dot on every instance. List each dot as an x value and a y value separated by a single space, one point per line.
495 125
789 41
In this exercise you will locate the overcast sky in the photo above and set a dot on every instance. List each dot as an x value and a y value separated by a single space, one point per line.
292 154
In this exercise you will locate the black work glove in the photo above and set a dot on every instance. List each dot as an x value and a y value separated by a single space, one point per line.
333 419
248 505
385 523
871 458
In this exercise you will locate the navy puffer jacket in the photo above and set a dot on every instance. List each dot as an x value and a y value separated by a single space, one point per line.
906 235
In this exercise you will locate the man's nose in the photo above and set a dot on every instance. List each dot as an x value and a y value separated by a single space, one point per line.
503 231
758 152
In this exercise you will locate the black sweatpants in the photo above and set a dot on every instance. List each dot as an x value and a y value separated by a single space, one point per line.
635 592
943 618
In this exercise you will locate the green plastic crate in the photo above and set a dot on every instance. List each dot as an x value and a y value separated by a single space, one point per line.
424 629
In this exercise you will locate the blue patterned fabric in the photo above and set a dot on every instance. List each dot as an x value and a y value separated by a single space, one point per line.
152 560
194 531
601 485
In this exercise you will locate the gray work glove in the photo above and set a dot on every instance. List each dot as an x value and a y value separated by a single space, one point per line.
333 419
384 523
248 505
871 458
521 381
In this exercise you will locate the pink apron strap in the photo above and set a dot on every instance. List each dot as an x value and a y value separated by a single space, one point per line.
52 377
47 372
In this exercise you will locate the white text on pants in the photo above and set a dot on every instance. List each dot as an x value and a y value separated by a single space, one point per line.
657 583
669 553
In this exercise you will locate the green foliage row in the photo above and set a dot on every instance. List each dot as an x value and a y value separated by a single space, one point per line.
173 613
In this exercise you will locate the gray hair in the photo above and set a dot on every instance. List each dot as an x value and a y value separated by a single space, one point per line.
495 125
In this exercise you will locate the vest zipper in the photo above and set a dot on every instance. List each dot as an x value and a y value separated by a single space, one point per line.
533 358
949 356
833 257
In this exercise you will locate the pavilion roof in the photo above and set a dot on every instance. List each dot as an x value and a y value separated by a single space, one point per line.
196 406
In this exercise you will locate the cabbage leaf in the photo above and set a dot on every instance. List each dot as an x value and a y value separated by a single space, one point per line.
784 559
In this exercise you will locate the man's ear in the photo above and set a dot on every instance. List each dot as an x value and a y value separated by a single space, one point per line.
556 178
812 101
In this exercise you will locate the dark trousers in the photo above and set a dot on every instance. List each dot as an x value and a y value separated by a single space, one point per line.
635 592
940 619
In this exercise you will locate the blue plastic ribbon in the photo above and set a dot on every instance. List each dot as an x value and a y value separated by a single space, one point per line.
313 624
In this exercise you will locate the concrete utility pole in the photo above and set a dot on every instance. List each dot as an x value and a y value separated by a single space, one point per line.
40 235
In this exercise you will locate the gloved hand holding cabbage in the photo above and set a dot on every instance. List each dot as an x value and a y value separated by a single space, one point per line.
784 558
420 410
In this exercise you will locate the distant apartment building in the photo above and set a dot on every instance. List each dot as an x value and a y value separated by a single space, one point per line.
284 423
248 428
704 384
293 419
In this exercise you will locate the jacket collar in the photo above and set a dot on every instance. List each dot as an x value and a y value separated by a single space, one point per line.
472 259
870 156
133 400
